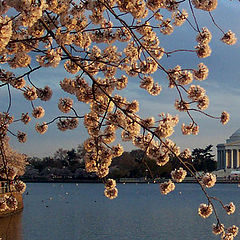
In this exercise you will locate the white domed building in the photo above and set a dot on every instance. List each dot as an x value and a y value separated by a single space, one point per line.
228 154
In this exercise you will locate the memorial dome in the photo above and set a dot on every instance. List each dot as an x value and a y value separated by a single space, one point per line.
235 137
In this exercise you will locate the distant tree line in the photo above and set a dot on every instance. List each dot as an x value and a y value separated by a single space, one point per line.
69 164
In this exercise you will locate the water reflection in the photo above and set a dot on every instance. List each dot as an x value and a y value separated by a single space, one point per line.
11 227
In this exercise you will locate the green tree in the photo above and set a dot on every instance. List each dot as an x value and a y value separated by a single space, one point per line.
203 159
137 164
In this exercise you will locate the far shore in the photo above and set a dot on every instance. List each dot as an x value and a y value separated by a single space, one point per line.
122 180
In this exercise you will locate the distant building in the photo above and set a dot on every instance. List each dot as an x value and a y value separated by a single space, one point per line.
228 154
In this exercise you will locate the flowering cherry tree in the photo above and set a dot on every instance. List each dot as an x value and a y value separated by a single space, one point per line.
105 45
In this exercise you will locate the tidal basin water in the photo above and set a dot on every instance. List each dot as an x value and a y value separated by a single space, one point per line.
55 211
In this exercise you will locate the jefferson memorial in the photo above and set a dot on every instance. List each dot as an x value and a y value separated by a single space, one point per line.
228 154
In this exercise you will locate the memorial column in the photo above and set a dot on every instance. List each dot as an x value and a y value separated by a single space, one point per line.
226 159
222 159
238 164
219 159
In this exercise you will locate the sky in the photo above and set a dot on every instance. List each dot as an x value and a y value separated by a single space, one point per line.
222 87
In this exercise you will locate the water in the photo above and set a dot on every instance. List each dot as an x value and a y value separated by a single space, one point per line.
81 212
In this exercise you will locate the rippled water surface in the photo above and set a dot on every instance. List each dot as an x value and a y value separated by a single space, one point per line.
54 211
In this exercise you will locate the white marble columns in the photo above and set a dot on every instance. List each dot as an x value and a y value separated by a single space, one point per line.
228 154
232 158
228 158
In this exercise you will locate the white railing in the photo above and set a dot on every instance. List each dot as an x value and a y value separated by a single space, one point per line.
4 187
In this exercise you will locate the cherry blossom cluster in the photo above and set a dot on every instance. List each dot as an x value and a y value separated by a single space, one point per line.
8 202
104 46
110 191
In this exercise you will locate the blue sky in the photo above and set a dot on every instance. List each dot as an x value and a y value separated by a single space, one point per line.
222 87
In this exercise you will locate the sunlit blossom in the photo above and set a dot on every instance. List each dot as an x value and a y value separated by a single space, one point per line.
230 208
110 183
233 229
25 118
111 193
205 210
224 117
208 5
227 236
41 128
11 202
3 205
209 180
20 186
167 187
178 175
30 93
65 104
38 112
22 137
229 38
217 228
44 94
